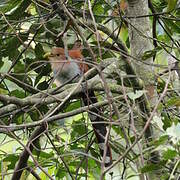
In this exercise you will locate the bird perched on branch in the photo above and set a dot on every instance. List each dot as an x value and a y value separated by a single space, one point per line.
68 65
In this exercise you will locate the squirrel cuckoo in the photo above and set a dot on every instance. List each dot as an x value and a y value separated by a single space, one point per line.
65 69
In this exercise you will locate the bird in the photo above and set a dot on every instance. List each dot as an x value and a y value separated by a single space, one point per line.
66 68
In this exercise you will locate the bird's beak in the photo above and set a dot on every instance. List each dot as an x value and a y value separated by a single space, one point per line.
47 55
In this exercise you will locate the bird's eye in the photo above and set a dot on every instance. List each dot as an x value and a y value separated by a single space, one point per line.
57 54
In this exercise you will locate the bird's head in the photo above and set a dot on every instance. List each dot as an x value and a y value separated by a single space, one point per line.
56 54
66 64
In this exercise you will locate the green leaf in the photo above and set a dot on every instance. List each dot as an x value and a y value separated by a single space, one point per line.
1 63
170 154
17 93
30 63
8 5
149 54
46 69
12 45
152 167
159 4
118 148
171 5
133 96
60 173
2 89
39 51
43 70
43 109
34 115
160 85
172 26
43 85
34 28
18 118
118 130
78 128
98 9
19 67
161 141
73 105
132 176
12 158
37 149
166 121
46 155
174 101
20 11
94 152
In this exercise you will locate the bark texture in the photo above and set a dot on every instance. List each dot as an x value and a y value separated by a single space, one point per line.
141 43
139 32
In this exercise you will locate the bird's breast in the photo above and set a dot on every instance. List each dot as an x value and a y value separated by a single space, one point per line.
67 71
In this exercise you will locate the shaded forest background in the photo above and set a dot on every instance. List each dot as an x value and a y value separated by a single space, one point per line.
132 49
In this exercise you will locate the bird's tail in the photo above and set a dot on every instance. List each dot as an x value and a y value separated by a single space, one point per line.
100 130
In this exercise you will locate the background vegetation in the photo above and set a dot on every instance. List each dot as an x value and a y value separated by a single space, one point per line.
133 48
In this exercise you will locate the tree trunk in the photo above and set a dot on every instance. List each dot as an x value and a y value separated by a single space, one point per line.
139 33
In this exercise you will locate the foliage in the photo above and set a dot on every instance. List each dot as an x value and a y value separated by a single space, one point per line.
28 30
